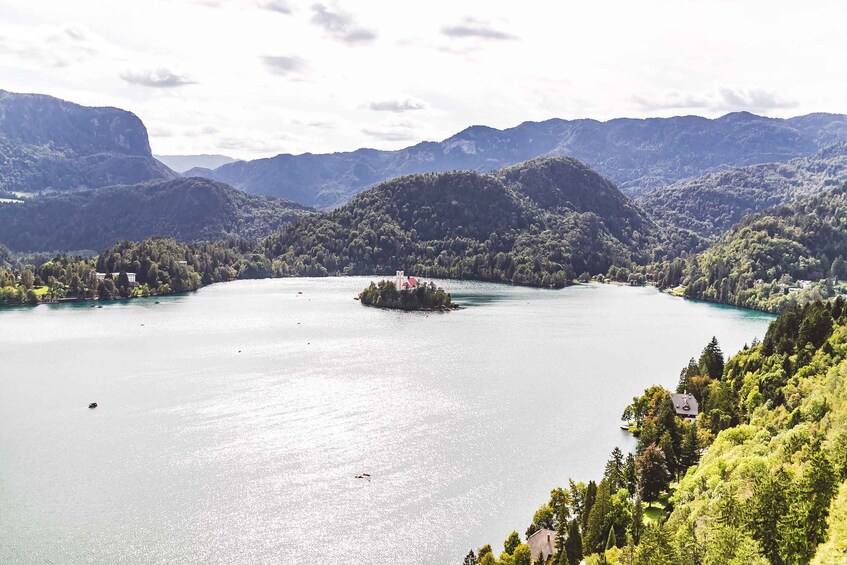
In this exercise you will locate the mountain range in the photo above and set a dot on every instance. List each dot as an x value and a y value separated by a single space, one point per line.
192 209
638 155
183 163
711 204
47 144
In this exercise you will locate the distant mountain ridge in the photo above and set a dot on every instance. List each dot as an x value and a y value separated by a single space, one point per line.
638 155
186 210
711 204
48 144
542 222
183 163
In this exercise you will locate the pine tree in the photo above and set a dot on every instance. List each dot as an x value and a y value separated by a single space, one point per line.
595 533
768 504
689 448
573 545
711 360
614 473
610 539
667 447
629 474
637 526
691 370
470 558
512 542
590 497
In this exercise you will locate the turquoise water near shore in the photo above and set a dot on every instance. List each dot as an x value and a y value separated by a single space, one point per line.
232 421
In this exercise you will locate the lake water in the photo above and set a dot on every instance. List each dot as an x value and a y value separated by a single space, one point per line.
232 421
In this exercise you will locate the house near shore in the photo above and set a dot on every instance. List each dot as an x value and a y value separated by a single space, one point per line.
542 542
685 405
129 276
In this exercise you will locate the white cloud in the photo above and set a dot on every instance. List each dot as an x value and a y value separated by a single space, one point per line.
284 65
259 72
157 78
279 6
399 105
720 100
340 25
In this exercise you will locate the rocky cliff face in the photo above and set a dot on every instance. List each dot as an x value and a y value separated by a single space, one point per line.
47 144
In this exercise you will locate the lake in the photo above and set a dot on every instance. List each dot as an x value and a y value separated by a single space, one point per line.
232 421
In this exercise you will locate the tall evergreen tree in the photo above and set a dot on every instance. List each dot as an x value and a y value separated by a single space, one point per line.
590 497
768 505
614 473
711 360
637 526
573 545
629 474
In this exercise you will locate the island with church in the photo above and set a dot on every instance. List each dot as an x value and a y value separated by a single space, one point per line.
407 293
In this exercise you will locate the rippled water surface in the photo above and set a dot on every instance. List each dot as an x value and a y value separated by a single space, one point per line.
232 421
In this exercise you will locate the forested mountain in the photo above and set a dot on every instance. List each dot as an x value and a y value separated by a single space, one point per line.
771 487
50 144
190 209
542 223
638 155
710 204
183 163
761 262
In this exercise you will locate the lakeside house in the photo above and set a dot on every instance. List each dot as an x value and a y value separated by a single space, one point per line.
402 282
543 543
129 276
685 405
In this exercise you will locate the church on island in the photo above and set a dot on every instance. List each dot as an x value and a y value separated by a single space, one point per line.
402 282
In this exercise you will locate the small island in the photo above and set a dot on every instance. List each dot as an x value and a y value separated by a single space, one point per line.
405 293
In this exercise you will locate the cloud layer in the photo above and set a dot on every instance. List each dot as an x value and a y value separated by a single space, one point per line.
157 78
472 28
340 25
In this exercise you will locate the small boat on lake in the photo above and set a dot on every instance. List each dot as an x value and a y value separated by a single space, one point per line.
93 405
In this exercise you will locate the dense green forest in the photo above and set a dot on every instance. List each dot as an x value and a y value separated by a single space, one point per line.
423 297
770 487
161 266
188 209
539 223
789 254
711 204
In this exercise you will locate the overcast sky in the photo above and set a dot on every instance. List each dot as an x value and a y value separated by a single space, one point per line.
253 78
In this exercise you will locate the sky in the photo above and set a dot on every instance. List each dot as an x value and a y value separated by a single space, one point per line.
255 78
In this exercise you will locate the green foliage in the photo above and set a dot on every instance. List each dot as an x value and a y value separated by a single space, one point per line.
513 540
162 266
761 262
539 223
187 209
711 204
653 473
422 297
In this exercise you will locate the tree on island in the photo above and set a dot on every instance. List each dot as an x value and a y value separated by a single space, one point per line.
422 297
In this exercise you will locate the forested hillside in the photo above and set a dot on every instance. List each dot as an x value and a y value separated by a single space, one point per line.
191 209
540 223
770 488
161 266
51 144
788 254
711 204
637 155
